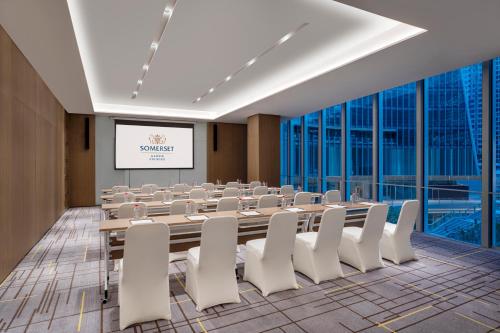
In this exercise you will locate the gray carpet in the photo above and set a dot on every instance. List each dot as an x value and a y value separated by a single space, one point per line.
453 287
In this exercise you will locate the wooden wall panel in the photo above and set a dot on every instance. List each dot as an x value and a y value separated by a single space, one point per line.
229 162
80 162
31 156
264 148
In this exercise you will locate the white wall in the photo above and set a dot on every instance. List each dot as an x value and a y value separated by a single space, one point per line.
106 175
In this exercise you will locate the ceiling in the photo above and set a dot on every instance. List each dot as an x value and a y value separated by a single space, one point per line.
91 53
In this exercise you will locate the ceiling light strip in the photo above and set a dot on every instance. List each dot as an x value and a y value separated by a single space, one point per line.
166 16
252 61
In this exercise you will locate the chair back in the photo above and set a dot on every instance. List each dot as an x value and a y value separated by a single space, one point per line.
374 224
126 210
407 218
198 193
118 197
179 188
267 201
178 207
187 187
330 230
302 198
208 186
260 190
162 196
149 188
333 196
219 236
232 185
280 237
287 190
146 241
228 203
230 192
119 188
254 184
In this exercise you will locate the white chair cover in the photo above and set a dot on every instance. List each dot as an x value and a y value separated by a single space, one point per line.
227 204
315 253
180 188
162 196
198 193
267 201
210 277
149 188
268 263
260 190
178 207
254 184
232 185
119 188
208 186
143 287
126 210
395 244
118 197
333 196
360 247
230 192
302 198
287 190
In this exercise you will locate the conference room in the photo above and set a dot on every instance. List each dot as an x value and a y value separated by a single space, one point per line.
249 166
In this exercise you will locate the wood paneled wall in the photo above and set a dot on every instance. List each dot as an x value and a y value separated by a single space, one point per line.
264 148
80 161
31 156
229 162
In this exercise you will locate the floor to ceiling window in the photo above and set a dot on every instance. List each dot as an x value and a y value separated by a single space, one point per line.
331 147
311 136
295 151
284 151
496 135
359 147
453 107
398 156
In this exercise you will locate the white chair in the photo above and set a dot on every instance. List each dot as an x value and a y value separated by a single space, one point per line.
178 207
187 187
287 190
395 244
315 253
198 193
119 188
179 188
360 247
227 204
208 186
267 201
118 197
302 198
254 184
268 263
143 287
232 185
230 192
149 188
126 210
210 276
260 190
162 196
333 197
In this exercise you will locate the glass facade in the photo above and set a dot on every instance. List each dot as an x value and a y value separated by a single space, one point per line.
452 152
284 152
453 104
311 137
331 147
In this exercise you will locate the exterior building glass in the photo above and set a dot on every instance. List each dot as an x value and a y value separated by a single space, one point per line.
496 112
311 136
284 151
295 151
331 147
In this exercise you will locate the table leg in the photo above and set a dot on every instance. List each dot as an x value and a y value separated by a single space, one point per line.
106 268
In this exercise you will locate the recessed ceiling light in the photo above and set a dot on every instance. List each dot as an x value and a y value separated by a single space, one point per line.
167 12
154 46
251 62
145 67
134 94
198 99
139 82
228 78
211 90
285 38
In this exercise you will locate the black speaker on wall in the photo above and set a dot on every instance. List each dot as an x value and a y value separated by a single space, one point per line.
86 132
215 137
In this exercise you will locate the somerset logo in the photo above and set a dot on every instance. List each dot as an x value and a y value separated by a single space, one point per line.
157 139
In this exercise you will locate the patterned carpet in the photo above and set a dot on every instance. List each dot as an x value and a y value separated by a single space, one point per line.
454 287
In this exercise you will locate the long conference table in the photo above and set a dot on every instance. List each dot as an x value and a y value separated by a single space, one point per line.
219 187
185 231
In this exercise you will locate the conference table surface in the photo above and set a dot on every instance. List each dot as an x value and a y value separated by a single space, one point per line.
173 220
164 188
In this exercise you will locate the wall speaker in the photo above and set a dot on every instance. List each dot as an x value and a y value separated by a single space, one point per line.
215 137
86 132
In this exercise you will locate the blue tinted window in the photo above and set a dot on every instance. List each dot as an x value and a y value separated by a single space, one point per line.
311 136
331 147
284 146
496 110
295 151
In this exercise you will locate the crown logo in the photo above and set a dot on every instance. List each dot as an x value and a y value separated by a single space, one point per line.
157 139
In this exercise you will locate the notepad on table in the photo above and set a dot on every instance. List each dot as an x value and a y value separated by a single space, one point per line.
334 206
247 198
367 203
294 209
197 218
250 213
167 202
136 222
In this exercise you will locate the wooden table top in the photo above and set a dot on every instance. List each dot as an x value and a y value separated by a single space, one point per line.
123 224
